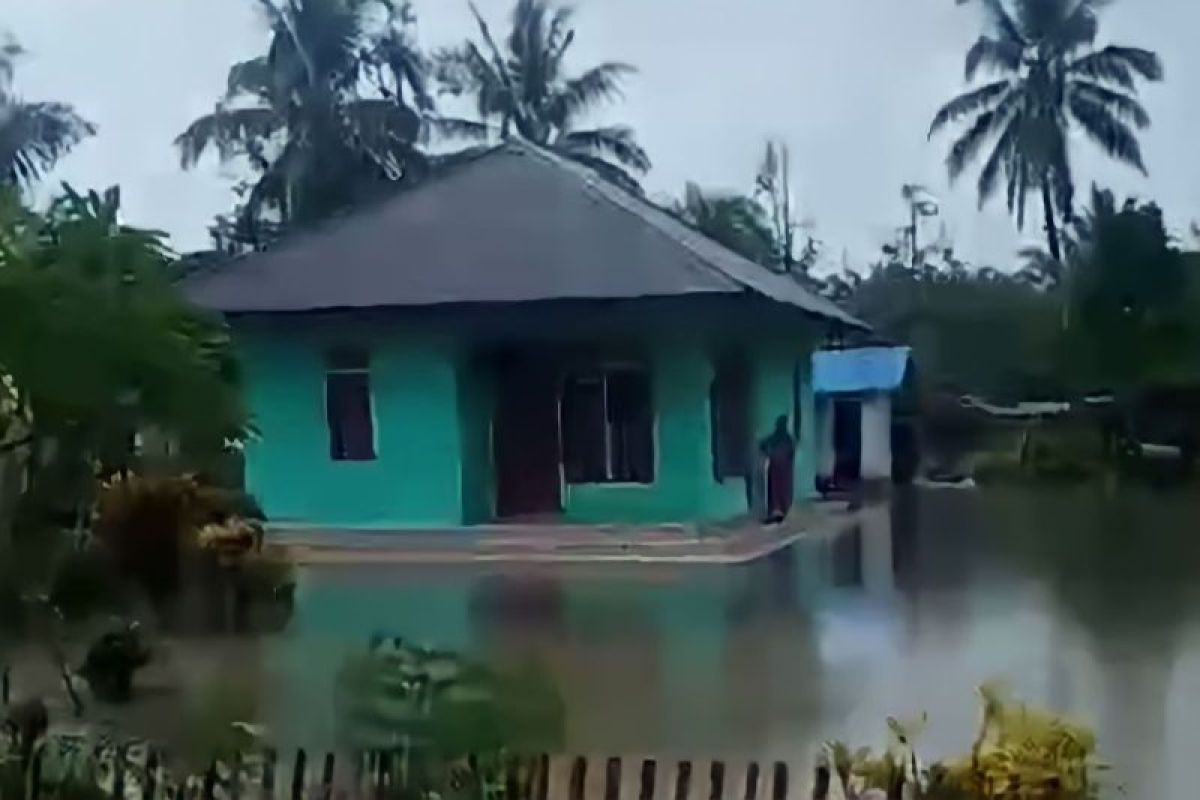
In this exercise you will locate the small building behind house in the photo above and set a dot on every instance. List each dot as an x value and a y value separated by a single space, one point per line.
516 339
860 438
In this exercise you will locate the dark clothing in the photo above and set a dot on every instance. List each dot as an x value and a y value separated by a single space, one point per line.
780 451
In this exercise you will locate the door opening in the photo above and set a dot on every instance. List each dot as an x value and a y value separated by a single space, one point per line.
526 439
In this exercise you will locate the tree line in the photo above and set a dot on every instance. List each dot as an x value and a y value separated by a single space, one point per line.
345 104
345 101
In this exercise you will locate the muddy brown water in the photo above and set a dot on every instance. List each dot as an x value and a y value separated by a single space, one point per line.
1082 602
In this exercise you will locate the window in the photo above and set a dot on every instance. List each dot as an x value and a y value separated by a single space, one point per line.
729 405
348 405
608 427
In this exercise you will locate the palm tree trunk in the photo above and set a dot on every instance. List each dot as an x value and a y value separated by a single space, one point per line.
1051 226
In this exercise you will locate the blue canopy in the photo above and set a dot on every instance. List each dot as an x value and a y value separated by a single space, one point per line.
864 369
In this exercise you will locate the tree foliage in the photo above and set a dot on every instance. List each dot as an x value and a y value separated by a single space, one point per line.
1049 80
33 135
774 184
761 226
1130 295
332 112
97 343
737 221
1118 313
524 88
973 329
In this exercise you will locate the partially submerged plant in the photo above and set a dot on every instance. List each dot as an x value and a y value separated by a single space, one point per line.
1020 753
860 775
439 712
188 544
112 660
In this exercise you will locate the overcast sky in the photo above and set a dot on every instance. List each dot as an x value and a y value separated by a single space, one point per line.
850 84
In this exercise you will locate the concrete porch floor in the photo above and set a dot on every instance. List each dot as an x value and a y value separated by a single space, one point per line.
735 542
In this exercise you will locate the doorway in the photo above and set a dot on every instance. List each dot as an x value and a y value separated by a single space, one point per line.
847 441
525 439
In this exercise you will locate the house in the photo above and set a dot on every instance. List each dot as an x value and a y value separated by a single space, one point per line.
854 390
515 339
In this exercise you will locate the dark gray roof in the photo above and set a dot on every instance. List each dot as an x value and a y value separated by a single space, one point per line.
516 224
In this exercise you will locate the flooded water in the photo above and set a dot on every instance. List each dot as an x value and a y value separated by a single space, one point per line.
1080 602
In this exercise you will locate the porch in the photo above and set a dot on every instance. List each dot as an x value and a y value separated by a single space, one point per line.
627 433
740 541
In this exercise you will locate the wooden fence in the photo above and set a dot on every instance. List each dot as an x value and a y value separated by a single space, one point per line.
335 777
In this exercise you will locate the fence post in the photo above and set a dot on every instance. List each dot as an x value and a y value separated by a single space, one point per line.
649 778
118 790
612 779
779 786
821 780
33 788
150 784
716 778
683 780
298 775
210 781
542 792
578 776
327 777
510 778
235 777
380 772
752 781
268 776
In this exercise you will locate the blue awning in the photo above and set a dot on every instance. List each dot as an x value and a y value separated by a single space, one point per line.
864 369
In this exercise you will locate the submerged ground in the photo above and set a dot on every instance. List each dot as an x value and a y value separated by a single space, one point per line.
1080 601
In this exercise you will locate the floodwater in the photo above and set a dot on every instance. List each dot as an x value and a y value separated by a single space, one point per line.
1081 602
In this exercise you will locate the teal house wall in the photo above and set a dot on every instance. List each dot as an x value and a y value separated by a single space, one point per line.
685 488
416 479
432 408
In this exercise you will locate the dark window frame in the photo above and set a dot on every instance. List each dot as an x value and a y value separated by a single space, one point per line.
633 463
347 385
729 405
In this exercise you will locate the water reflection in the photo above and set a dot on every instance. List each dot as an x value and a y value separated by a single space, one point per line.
1079 601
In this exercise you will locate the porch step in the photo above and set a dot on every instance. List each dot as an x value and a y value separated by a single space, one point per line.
727 543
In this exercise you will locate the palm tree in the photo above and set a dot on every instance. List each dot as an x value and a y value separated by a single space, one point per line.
1052 79
734 220
33 136
524 89
335 107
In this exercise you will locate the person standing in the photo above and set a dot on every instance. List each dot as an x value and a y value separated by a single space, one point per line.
779 451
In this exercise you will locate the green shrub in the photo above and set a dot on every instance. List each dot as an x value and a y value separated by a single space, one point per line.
111 662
